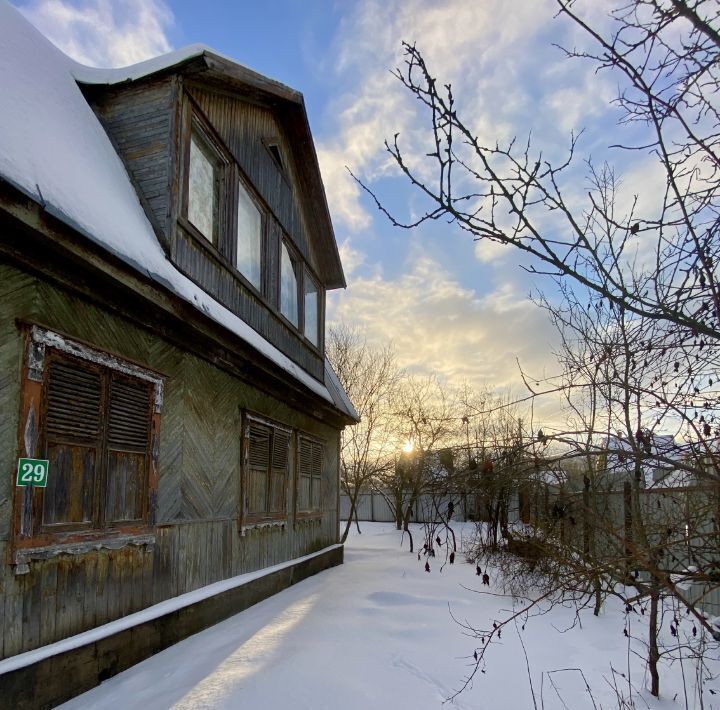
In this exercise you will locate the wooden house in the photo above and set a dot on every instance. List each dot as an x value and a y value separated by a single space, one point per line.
165 251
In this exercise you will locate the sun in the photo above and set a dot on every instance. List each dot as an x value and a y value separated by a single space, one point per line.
408 446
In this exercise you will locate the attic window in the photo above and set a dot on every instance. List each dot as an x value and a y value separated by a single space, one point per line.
274 150
203 183
311 309
249 238
288 285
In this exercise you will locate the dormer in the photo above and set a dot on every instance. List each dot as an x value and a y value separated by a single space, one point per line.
224 164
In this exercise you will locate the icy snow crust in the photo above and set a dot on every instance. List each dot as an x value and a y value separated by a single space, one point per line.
54 149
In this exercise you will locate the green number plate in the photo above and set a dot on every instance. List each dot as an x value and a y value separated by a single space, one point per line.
32 472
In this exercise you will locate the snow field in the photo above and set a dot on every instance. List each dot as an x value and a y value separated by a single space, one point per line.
377 632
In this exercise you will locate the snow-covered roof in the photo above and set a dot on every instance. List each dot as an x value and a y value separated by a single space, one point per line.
54 150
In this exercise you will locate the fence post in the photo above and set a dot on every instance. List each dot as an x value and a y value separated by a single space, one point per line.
628 516
372 505
586 516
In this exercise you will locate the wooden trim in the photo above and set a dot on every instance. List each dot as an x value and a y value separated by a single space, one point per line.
260 419
57 340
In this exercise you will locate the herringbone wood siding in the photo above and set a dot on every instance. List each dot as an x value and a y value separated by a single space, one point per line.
198 541
17 296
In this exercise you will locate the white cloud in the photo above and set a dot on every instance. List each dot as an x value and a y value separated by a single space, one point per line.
103 32
351 257
492 65
438 326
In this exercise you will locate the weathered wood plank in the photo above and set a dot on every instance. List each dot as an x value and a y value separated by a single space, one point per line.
48 601
112 586
90 564
31 612
101 588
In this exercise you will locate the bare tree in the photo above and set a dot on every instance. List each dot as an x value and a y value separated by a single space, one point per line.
665 54
371 377
641 310
425 418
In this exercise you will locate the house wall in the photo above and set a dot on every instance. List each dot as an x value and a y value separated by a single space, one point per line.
140 121
145 124
197 536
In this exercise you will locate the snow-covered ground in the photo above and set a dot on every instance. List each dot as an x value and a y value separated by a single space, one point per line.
378 633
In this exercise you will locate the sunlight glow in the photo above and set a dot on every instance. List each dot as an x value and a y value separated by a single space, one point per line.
250 658
408 446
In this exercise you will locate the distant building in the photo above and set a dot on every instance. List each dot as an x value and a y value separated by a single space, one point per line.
655 455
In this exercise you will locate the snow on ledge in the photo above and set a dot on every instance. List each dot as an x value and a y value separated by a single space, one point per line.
149 614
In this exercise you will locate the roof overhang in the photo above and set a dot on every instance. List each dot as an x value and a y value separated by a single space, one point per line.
202 64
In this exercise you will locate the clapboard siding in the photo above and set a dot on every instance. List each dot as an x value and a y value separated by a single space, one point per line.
244 126
139 121
197 541
220 282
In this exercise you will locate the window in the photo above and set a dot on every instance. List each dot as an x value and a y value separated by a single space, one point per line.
266 470
309 469
203 187
311 310
288 286
224 215
97 425
249 238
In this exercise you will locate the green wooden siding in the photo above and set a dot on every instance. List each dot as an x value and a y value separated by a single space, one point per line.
197 541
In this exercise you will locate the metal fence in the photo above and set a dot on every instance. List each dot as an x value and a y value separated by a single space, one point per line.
677 521
679 525
374 507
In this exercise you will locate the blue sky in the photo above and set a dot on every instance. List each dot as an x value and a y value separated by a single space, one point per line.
451 306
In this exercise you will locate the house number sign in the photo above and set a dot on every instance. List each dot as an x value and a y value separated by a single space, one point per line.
32 472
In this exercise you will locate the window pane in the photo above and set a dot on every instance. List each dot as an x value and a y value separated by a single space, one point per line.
288 287
311 311
202 194
249 239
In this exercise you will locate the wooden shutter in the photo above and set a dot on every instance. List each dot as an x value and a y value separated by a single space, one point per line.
73 438
304 474
257 469
316 473
279 472
128 434
309 475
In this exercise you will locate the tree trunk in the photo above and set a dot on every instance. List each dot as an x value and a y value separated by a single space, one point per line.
654 654
406 526
598 596
348 522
